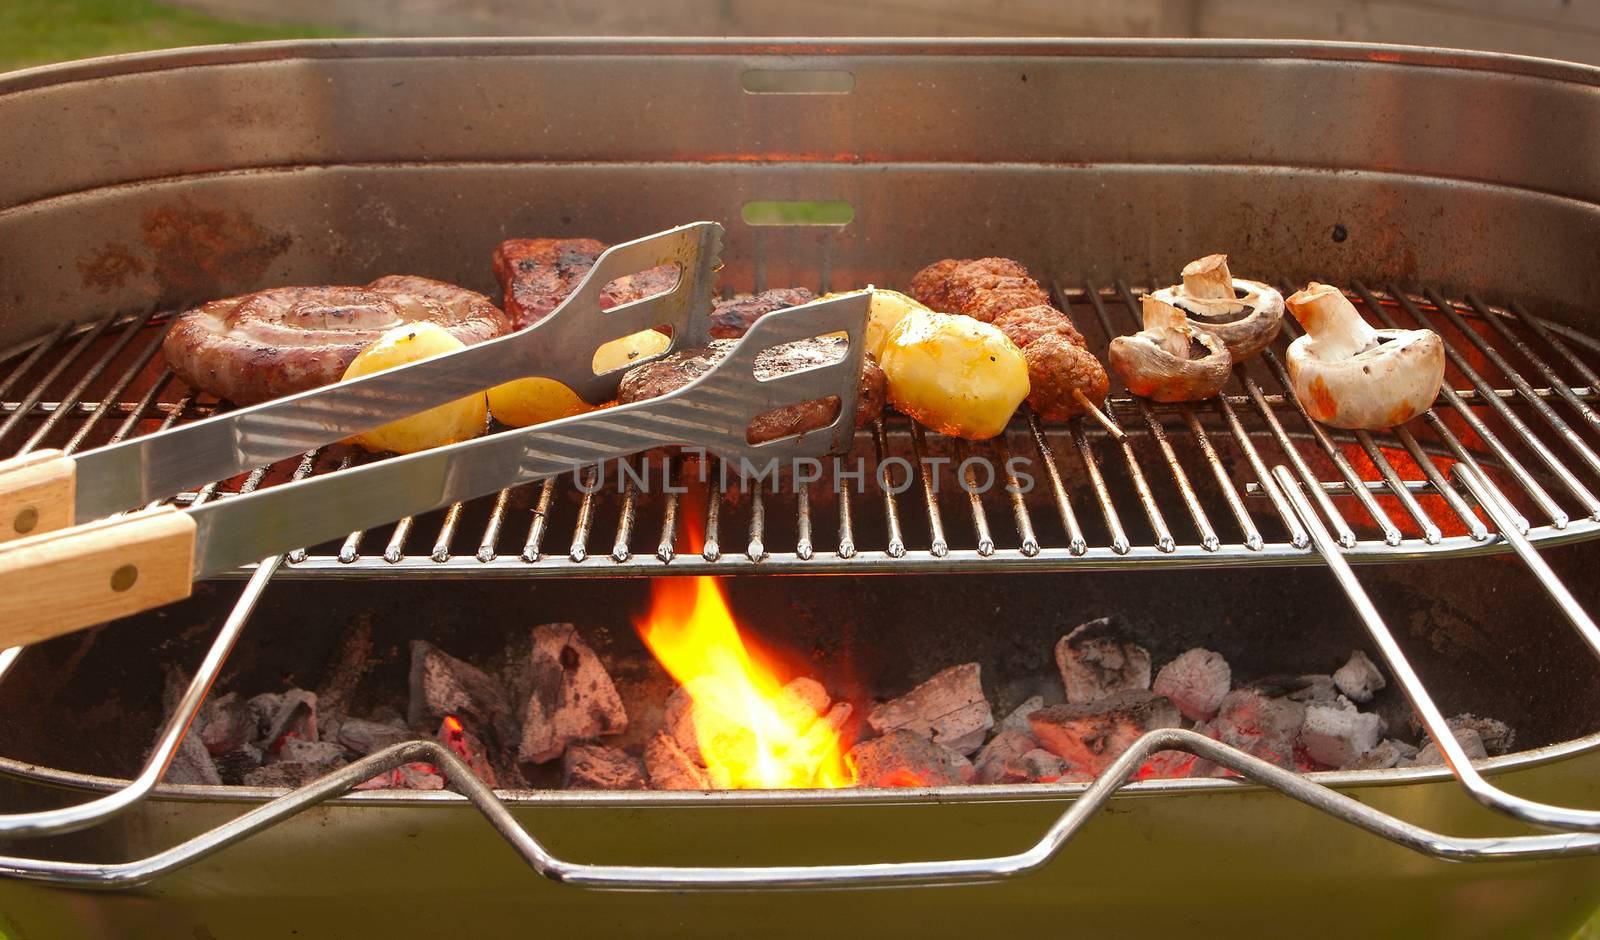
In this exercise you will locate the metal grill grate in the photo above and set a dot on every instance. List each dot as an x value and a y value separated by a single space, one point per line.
1185 487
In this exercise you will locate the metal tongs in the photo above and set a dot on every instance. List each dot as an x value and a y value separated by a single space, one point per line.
59 581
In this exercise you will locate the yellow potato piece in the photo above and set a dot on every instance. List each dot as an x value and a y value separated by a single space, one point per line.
531 401
888 309
954 374
459 420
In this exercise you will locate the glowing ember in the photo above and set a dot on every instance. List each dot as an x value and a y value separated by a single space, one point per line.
751 734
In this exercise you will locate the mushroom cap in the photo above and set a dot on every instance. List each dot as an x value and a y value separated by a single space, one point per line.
1154 373
1244 336
1386 385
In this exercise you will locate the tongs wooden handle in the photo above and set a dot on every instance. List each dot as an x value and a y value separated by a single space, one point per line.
56 582
157 466
36 494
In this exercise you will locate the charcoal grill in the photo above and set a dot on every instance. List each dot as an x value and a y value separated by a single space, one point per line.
149 182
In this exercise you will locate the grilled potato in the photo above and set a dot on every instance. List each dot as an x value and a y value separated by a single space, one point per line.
531 401
953 373
459 420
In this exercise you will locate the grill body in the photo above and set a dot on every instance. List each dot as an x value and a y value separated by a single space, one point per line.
149 182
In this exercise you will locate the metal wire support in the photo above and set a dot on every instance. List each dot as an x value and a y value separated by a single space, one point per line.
672 878
1529 811
81 815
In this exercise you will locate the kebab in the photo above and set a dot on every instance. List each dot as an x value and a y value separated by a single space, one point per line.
1350 375
1064 378
1170 360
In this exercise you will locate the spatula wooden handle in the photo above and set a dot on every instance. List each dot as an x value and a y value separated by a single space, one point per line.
36 494
58 582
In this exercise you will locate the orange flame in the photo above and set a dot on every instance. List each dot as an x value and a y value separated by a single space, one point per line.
752 735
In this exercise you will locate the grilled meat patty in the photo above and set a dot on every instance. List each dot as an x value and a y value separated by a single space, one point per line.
732 318
672 372
983 289
537 274
1000 291
289 339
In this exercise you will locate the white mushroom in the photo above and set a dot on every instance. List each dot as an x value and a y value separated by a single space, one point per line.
1350 375
1159 362
1244 315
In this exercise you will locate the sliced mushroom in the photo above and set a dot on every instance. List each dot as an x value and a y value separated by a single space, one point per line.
1350 375
1244 315
1161 362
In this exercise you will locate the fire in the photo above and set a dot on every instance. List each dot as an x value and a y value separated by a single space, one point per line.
752 734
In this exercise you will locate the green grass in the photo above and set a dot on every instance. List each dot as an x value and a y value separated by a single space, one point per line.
35 32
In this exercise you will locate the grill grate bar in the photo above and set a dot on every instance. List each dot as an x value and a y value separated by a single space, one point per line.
665 548
1556 422
1076 543
35 353
85 341
938 545
109 401
491 529
1208 535
980 518
1557 384
891 506
1524 433
541 521
1163 536
712 549
73 396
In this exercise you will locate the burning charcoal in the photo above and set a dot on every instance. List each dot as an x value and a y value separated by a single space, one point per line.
1196 682
1468 738
594 767
192 764
1018 719
233 765
1009 744
296 717
1041 766
263 708
1315 688
1359 678
225 724
1168 765
902 758
1090 735
364 737
949 709
802 701
1497 736
670 768
573 697
1096 660
466 746
838 716
1337 737
343 674
1306 689
405 777
444 685
320 756
1388 753
1264 727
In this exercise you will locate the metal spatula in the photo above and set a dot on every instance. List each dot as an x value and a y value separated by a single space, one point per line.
47 490
62 581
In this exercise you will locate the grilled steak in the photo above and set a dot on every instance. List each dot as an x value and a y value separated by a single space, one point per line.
732 318
982 289
289 339
537 274
673 372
